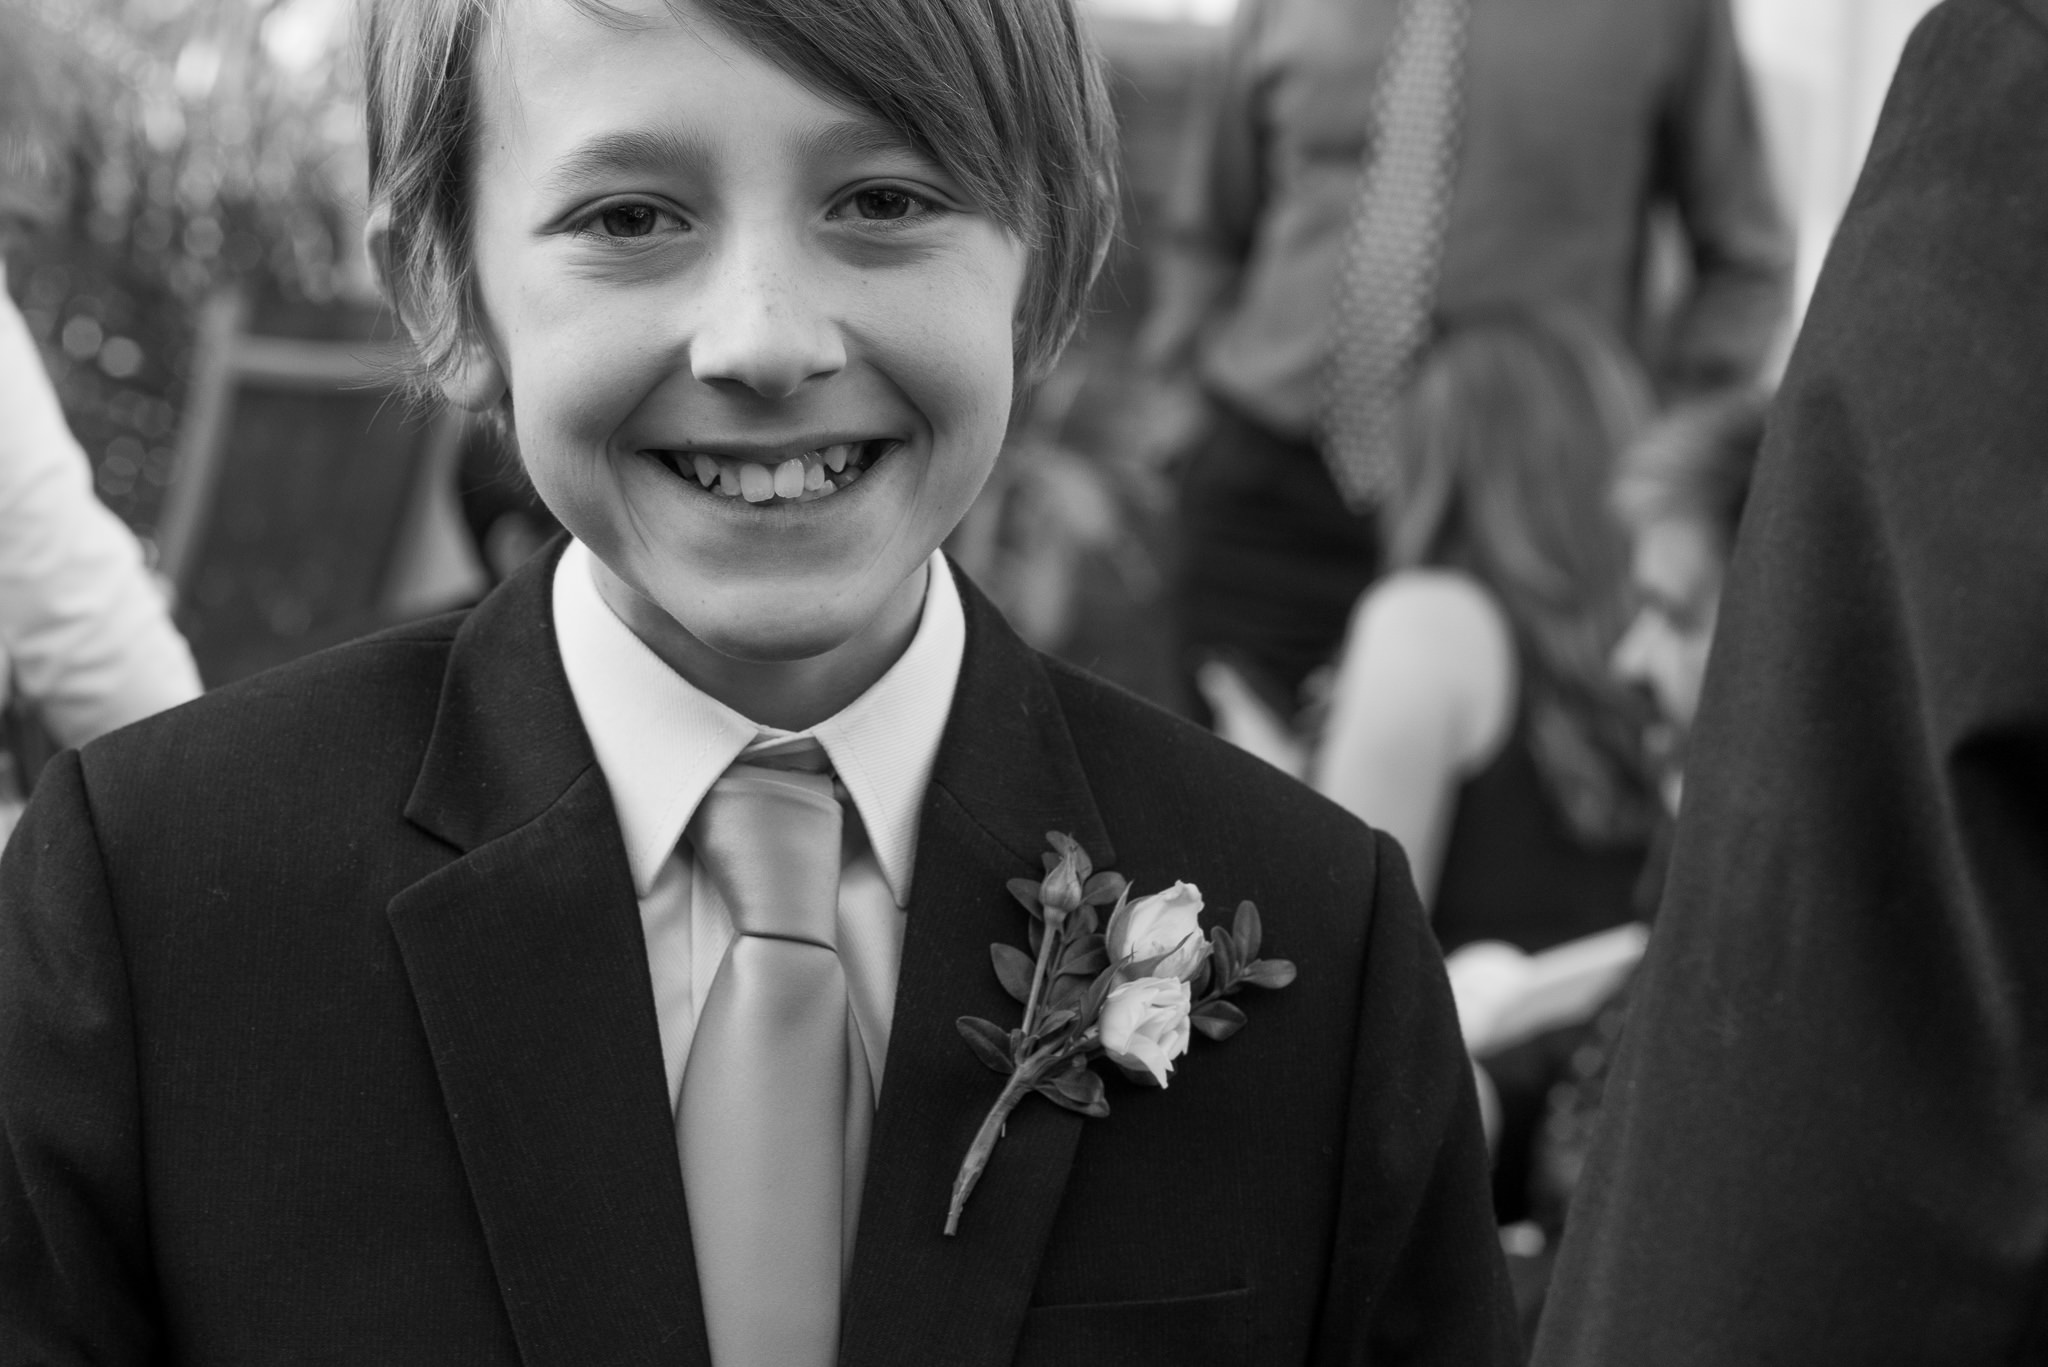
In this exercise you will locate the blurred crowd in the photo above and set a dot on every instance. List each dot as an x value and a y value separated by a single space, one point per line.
1410 450
1465 611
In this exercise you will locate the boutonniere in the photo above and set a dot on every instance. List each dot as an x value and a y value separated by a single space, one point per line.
1133 992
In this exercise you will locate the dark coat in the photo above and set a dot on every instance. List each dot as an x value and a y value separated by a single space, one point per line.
325 1035
1828 1134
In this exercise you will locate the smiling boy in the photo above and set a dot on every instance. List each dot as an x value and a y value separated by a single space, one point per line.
395 1006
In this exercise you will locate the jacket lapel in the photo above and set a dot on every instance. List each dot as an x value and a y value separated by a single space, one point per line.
526 958
1006 774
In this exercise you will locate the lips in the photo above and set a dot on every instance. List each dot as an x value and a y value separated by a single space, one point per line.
797 479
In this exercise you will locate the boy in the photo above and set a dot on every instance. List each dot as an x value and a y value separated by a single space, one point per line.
365 1011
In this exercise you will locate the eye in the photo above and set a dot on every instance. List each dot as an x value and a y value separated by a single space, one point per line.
884 204
628 221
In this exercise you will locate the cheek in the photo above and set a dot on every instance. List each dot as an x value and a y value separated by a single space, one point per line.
953 325
948 344
565 342
1682 670
561 427
575 375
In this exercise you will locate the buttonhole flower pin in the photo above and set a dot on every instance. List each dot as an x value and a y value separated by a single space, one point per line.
1134 991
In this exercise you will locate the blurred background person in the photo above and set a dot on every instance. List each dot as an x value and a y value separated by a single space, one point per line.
1825 1135
1474 714
1572 139
210 326
1680 492
85 631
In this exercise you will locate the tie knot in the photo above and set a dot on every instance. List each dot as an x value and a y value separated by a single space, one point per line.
769 839
795 754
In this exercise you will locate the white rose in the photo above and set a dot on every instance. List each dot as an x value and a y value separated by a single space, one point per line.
1165 923
1144 1026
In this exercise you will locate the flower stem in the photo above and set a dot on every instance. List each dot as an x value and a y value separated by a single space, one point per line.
1048 945
985 1144
1027 1076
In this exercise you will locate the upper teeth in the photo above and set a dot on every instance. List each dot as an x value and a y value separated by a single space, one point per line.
757 483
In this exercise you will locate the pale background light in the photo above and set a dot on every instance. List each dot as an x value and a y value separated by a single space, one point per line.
1822 69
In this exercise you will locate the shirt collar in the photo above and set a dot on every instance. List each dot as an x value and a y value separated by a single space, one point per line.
662 742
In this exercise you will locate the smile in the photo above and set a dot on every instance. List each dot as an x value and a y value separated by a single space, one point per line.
799 479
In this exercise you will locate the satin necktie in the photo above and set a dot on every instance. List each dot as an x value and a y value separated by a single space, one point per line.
767 1092
1393 249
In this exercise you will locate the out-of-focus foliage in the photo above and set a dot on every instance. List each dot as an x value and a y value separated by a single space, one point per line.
168 147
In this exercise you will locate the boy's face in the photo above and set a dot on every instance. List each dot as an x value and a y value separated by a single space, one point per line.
688 262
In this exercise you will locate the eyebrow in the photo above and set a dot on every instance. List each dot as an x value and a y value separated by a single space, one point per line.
630 150
855 137
634 150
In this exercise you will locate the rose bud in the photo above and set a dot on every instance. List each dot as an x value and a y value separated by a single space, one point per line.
1165 923
1060 894
1145 1027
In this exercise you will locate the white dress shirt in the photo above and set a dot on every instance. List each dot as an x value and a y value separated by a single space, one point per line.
662 742
84 632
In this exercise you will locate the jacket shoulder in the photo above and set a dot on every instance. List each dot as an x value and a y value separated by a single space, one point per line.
338 709
1139 755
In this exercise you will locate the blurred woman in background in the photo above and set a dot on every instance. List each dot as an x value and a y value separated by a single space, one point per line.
1473 714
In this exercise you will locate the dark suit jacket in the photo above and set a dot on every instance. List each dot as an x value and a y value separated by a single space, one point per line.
1827 1140
325 1035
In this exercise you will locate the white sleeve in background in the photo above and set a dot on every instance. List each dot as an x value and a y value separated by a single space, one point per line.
1424 697
85 633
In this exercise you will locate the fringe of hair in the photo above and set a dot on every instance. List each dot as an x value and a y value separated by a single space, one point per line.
1008 96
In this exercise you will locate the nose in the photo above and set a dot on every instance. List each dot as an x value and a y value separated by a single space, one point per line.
1631 658
760 324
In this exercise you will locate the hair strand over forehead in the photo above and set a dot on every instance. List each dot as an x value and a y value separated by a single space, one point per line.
1007 96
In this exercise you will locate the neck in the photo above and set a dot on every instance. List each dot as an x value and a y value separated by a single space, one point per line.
790 695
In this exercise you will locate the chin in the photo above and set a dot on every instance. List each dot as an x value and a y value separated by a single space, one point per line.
768 634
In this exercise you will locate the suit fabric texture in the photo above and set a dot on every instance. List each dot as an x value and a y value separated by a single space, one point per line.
1827 1134
326 1035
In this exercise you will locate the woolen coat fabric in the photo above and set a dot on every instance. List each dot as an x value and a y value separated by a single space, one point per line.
1827 1137
326 1035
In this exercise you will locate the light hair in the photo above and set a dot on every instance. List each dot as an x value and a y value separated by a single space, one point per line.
1007 96
1511 431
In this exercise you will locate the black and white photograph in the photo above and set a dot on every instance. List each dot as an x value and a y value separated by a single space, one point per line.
1022 683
